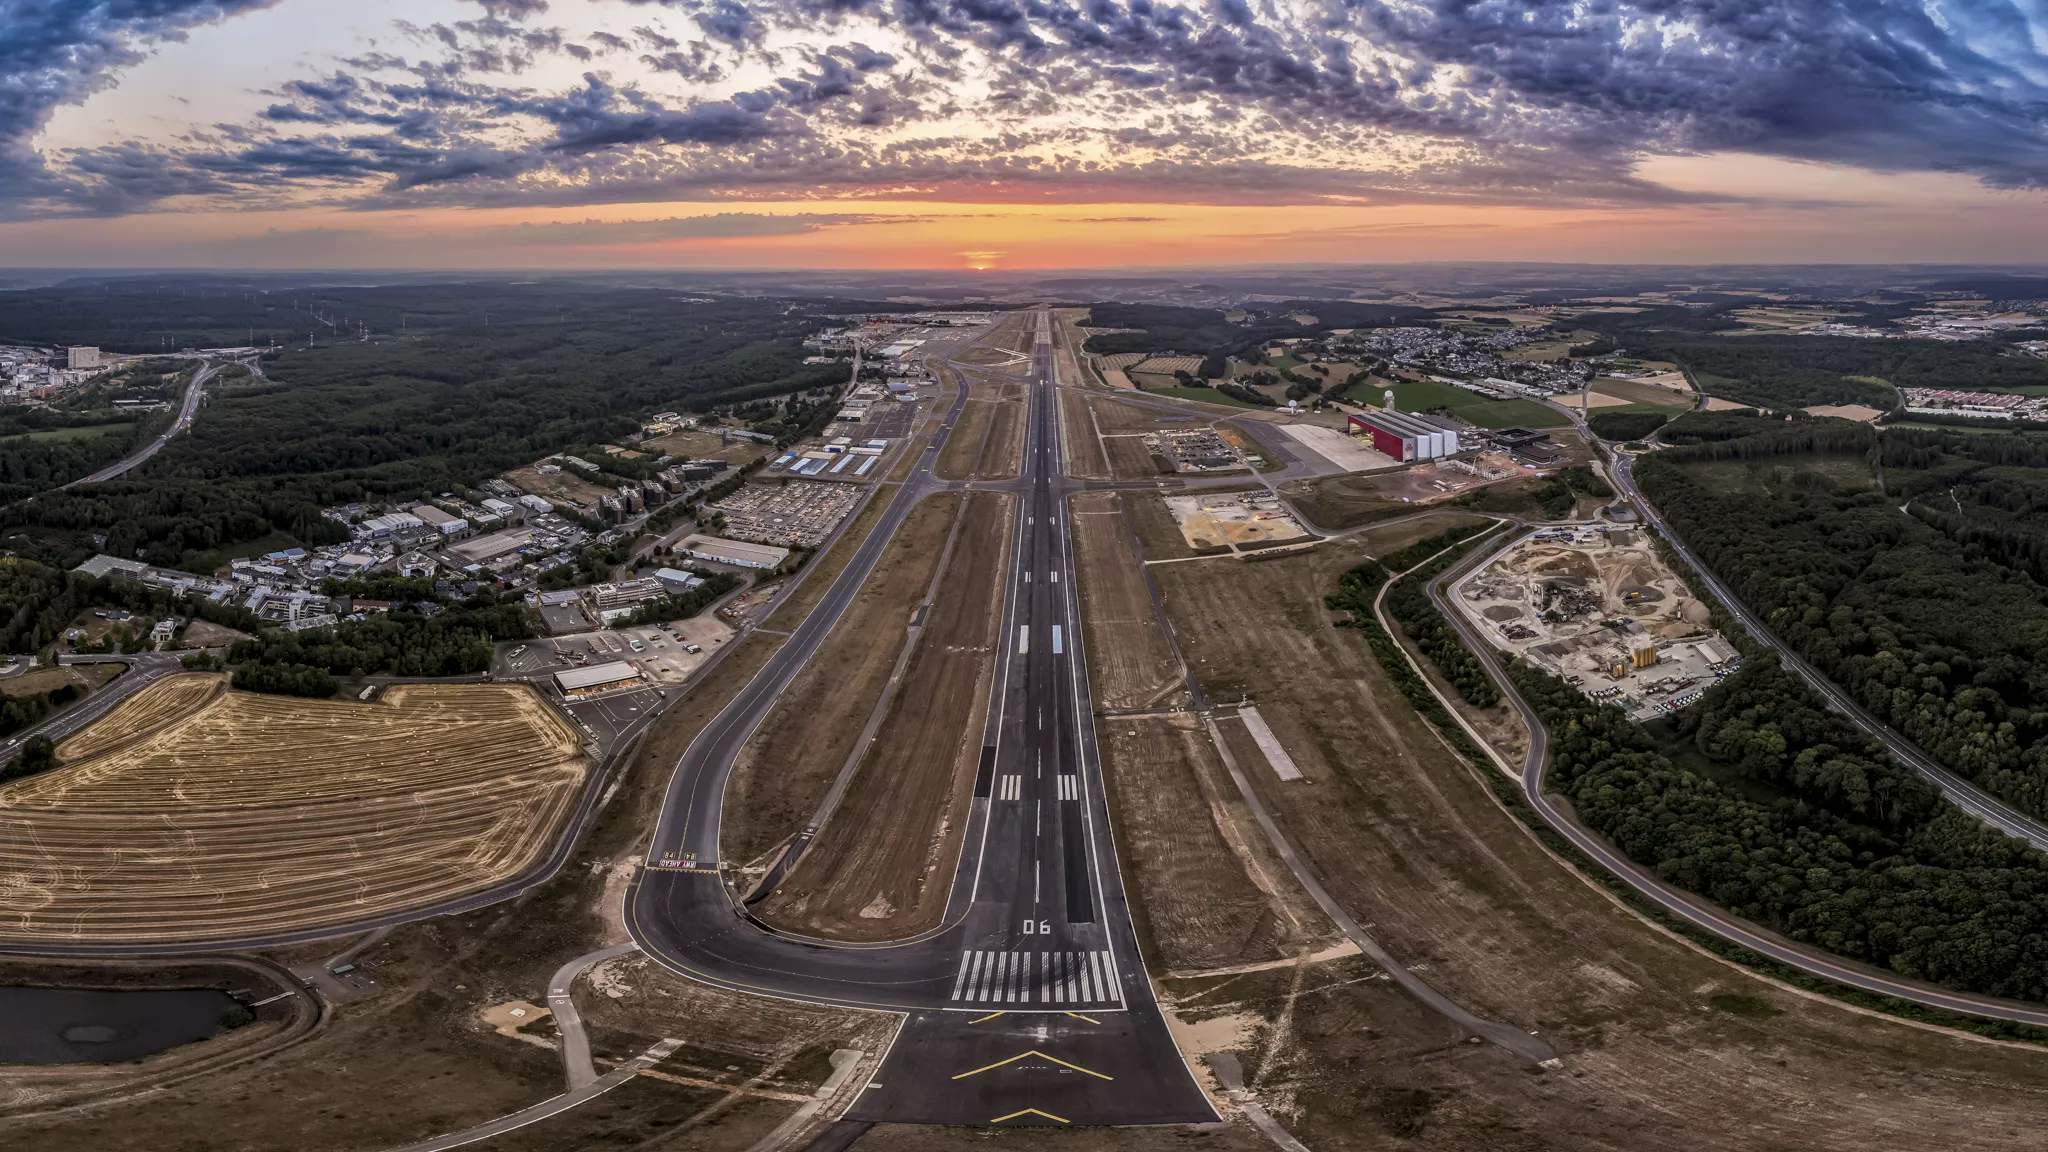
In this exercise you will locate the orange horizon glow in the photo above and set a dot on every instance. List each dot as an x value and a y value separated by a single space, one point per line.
1839 216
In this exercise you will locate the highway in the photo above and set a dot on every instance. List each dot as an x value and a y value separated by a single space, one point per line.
188 409
1684 905
1029 1004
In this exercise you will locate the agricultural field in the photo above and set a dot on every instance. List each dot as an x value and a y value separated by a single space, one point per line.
1471 407
191 812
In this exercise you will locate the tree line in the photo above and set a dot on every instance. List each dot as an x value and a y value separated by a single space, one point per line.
1782 812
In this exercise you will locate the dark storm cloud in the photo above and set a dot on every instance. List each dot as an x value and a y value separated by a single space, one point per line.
55 52
1427 101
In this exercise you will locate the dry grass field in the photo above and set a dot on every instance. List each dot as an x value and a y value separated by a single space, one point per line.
1085 460
1003 452
696 445
917 778
557 485
1130 663
150 709
203 813
1662 1047
90 677
783 771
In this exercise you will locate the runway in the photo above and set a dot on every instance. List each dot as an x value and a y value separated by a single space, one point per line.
1030 1003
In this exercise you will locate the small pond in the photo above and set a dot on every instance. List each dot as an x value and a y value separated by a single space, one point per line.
81 1026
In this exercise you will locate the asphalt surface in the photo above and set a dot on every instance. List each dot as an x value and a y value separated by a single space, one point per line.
186 411
1685 905
144 669
1029 1004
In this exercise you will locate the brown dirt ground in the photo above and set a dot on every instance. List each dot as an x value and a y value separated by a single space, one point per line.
1112 415
563 485
207 634
918 776
1130 459
785 769
86 676
1157 531
1085 459
1339 502
1202 906
1662 1045
1130 663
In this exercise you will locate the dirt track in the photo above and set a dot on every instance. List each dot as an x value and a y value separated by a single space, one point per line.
247 814
917 778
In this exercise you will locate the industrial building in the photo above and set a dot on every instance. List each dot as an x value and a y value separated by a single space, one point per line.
598 678
677 581
444 522
624 593
82 356
1406 436
734 552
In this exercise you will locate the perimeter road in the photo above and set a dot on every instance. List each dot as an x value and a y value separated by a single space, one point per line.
1682 904
1959 792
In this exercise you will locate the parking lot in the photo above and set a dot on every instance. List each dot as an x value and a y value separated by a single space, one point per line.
662 655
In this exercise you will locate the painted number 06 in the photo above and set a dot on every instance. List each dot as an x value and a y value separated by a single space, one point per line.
1038 927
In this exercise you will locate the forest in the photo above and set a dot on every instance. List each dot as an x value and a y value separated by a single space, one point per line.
454 383
1408 602
1205 332
1795 371
1871 594
1775 808
402 642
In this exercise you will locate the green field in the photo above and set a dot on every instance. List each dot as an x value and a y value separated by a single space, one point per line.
78 433
1472 408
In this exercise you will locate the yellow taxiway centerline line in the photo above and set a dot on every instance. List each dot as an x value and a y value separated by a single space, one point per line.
1030 1112
986 1018
1040 1055
1090 1019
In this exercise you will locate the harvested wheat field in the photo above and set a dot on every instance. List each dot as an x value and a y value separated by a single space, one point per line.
192 812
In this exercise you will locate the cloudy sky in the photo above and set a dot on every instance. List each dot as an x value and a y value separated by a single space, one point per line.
1018 133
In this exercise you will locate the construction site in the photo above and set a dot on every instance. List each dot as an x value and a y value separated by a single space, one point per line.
1595 605
1234 520
194 812
1435 480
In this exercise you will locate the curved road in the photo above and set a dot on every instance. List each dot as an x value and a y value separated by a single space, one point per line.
190 408
1029 1003
1685 905
1959 792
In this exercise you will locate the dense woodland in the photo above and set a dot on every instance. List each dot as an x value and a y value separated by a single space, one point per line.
1205 332
1408 603
437 397
1777 809
1933 617
1794 371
